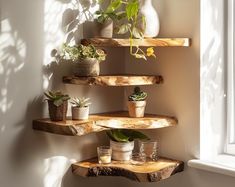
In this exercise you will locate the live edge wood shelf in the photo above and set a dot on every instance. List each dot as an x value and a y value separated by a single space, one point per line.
152 171
102 122
114 80
154 42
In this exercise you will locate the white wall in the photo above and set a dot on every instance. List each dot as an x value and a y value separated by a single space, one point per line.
28 31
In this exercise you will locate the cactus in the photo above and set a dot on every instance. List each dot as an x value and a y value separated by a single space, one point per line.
80 102
138 95
57 97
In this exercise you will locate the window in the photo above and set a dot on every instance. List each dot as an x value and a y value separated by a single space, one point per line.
230 141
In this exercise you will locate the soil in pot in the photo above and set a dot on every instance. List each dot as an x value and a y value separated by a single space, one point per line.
57 113
136 108
80 113
121 151
89 67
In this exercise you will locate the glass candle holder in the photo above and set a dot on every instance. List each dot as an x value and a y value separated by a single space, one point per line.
138 158
150 149
104 154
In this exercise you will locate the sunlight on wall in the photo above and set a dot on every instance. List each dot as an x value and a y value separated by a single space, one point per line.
12 60
55 169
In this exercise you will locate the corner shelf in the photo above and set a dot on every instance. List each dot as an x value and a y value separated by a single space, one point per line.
114 80
154 42
152 171
102 122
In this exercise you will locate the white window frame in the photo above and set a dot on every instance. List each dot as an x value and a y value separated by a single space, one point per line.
230 140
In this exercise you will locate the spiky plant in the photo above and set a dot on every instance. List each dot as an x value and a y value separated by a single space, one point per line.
56 97
137 95
80 102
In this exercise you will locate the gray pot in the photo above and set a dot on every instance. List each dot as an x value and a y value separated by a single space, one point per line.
104 30
80 113
89 67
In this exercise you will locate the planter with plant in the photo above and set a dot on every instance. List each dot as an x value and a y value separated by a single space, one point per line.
86 58
80 108
122 142
105 18
137 103
57 105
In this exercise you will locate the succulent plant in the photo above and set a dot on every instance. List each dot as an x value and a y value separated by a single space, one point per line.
56 97
137 95
80 102
125 135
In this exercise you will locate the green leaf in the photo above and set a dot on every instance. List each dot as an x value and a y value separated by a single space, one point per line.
124 29
132 9
110 135
140 56
114 5
132 134
58 102
137 33
119 136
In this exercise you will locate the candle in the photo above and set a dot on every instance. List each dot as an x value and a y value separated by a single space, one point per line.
105 159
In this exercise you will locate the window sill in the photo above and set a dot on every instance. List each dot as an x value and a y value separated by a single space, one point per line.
223 164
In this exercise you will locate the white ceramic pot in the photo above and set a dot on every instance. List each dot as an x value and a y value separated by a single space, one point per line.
80 113
152 20
121 151
136 108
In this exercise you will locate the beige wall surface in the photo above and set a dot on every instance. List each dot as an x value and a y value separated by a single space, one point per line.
29 30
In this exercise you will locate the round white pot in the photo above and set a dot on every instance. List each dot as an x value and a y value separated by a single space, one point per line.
136 108
121 151
80 113
152 26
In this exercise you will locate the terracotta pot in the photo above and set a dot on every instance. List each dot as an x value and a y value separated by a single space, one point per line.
57 113
89 67
104 30
80 113
121 151
136 108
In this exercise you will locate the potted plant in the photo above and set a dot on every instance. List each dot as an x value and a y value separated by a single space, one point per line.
135 25
57 105
80 108
137 103
105 18
122 142
86 59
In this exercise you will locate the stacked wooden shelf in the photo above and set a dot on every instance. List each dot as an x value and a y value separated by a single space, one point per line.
102 122
115 80
151 171
153 42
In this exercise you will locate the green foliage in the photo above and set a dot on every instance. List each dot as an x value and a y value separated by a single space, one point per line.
57 97
137 95
109 12
80 51
80 102
125 135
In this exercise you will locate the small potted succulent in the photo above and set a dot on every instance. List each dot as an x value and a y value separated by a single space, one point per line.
86 58
137 103
122 142
80 108
57 105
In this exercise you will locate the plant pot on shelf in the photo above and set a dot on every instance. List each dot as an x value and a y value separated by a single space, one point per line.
121 151
88 67
136 108
80 113
103 30
57 113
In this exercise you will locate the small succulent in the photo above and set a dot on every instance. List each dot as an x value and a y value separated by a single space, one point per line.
138 95
80 102
57 97
125 135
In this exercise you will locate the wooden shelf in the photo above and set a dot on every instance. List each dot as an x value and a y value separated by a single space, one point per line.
114 80
102 122
154 42
153 171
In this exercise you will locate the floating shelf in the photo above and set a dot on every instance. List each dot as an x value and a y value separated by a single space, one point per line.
102 122
154 42
152 171
114 80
